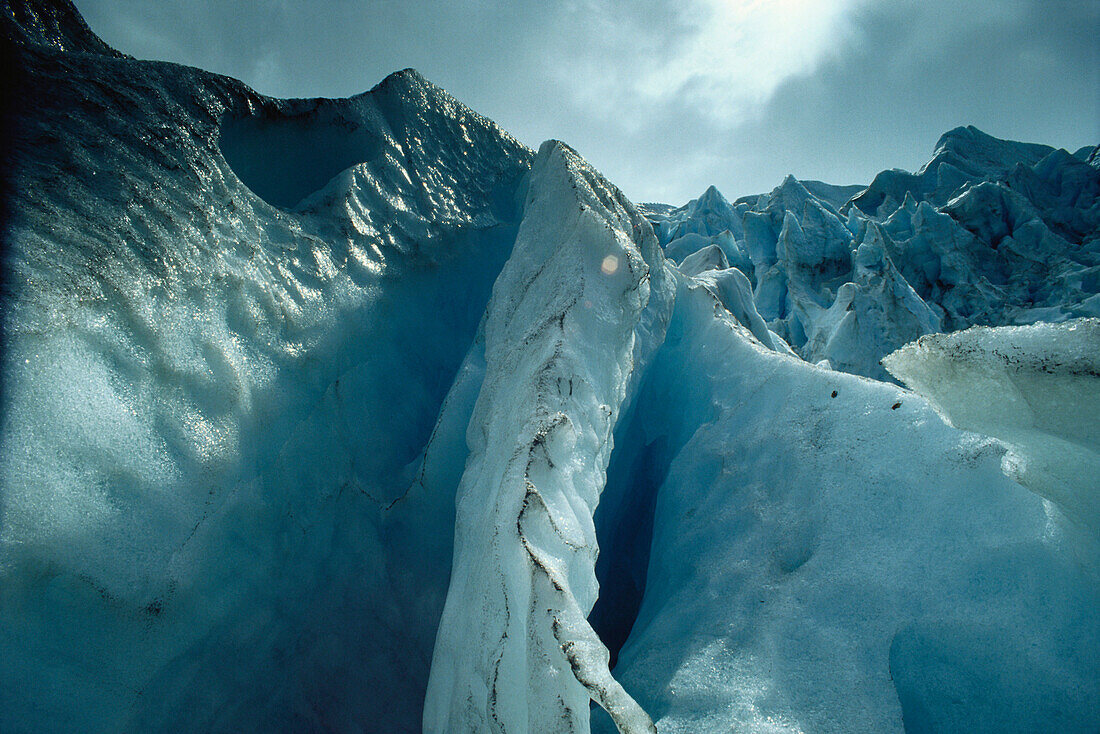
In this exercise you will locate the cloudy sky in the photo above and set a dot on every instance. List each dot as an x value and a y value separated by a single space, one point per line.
668 96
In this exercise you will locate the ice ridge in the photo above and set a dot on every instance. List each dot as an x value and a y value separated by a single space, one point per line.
514 650
989 232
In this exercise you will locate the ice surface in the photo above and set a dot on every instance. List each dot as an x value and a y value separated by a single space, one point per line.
232 433
1035 387
334 415
827 555
58 25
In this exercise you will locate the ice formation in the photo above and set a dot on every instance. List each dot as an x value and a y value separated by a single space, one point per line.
515 651
1037 388
359 415
989 232
233 430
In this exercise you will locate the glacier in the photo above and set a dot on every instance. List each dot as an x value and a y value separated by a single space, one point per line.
988 232
360 415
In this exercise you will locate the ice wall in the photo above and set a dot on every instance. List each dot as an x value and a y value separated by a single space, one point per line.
232 430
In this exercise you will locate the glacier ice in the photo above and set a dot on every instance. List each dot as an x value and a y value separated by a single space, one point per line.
514 650
988 232
359 415
822 560
1037 388
232 432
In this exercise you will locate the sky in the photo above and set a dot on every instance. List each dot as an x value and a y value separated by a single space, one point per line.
667 97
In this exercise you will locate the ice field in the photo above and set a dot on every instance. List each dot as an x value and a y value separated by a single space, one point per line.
359 415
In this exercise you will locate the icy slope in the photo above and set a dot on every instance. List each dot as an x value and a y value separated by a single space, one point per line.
989 232
826 555
1037 388
214 511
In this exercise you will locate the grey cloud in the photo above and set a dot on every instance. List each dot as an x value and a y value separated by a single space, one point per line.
1025 69
1019 70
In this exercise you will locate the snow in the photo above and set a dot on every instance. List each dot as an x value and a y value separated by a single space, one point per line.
358 415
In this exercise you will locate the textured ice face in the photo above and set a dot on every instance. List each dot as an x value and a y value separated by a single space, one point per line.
232 432
514 650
